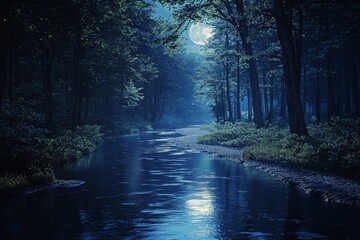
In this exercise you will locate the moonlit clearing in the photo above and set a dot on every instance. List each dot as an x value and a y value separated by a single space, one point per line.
200 33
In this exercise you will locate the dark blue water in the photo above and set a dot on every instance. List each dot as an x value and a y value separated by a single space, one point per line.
142 187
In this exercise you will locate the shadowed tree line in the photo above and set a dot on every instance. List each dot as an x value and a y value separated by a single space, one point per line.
86 62
298 60
69 67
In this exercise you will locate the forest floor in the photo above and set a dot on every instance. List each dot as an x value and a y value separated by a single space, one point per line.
329 187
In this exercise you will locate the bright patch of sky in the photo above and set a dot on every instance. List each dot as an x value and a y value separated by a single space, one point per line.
200 33
190 46
162 11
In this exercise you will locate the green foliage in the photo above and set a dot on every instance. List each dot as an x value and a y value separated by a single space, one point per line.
339 144
241 134
29 153
334 146
73 145
13 183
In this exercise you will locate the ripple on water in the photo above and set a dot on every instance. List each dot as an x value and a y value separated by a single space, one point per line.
128 204
170 184
256 235
158 211
140 193
178 153
165 133
303 235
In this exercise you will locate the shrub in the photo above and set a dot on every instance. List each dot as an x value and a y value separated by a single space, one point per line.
73 145
334 146
29 153
13 183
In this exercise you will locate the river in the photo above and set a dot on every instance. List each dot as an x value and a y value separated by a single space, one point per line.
143 187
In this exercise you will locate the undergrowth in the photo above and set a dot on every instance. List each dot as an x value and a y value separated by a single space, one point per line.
332 147
29 153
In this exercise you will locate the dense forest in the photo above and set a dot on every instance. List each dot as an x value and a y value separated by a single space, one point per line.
72 70
296 60
68 67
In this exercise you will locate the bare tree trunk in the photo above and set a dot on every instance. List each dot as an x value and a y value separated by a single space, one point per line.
254 80
86 112
249 105
271 113
223 106
227 79
266 103
11 67
356 86
4 45
317 89
356 78
75 103
330 87
291 46
243 29
238 79
47 63
282 99
304 97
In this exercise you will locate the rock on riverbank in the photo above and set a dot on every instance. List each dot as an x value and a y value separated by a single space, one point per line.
329 187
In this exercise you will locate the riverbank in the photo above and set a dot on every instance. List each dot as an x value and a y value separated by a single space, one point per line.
29 156
330 188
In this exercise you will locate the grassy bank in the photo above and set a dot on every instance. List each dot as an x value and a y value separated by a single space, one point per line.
332 147
29 153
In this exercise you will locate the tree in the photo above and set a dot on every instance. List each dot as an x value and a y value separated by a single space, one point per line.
233 12
4 45
291 45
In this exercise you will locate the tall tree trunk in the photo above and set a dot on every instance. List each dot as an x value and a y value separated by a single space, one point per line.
243 29
254 79
271 113
356 78
249 105
330 87
86 112
356 86
318 84
282 99
304 97
227 79
339 85
266 103
239 20
4 45
356 92
11 67
223 106
154 110
317 98
47 63
238 79
75 103
291 46
347 95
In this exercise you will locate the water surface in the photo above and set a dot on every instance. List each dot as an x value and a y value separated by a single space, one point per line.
143 187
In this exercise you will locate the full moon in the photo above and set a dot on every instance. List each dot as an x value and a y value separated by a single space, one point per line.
200 33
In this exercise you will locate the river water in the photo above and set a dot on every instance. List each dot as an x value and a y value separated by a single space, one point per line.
143 187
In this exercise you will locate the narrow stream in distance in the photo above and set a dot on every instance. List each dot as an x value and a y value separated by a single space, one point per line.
143 187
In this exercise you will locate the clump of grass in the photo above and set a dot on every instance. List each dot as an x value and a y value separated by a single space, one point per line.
333 146
13 183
